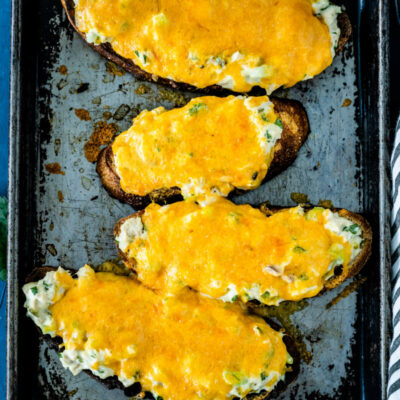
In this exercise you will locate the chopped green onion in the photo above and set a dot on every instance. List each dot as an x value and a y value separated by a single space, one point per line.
299 250
34 290
262 115
263 376
266 295
279 123
354 229
141 56
195 109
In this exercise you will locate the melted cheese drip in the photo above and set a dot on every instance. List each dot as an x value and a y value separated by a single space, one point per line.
224 251
209 146
235 43
185 347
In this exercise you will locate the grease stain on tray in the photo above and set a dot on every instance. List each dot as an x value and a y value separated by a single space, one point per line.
61 84
96 101
348 289
299 198
113 69
51 249
121 112
86 182
178 99
283 314
143 89
115 266
57 145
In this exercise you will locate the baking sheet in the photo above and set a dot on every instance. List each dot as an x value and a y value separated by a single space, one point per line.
67 218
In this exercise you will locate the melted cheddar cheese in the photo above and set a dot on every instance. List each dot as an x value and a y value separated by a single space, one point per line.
233 251
184 347
207 147
233 43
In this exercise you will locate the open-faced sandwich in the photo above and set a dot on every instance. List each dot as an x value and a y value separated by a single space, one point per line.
210 146
237 252
176 347
231 44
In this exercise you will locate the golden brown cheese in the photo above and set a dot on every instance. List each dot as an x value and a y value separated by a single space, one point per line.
228 251
209 146
237 44
184 347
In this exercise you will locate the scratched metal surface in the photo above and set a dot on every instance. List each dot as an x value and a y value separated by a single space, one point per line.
75 216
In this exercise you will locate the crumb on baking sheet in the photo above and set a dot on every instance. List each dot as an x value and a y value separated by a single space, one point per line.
54 168
325 203
102 134
83 86
107 115
60 196
82 114
346 103
63 70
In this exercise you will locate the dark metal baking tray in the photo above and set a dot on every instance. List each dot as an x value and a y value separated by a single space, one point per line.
68 219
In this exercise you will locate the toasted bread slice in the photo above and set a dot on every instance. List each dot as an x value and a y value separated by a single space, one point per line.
295 131
336 277
106 50
136 390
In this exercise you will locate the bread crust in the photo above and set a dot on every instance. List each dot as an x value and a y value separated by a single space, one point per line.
105 49
295 131
135 389
339 275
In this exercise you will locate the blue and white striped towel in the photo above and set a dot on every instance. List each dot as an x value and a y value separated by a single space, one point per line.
394 362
